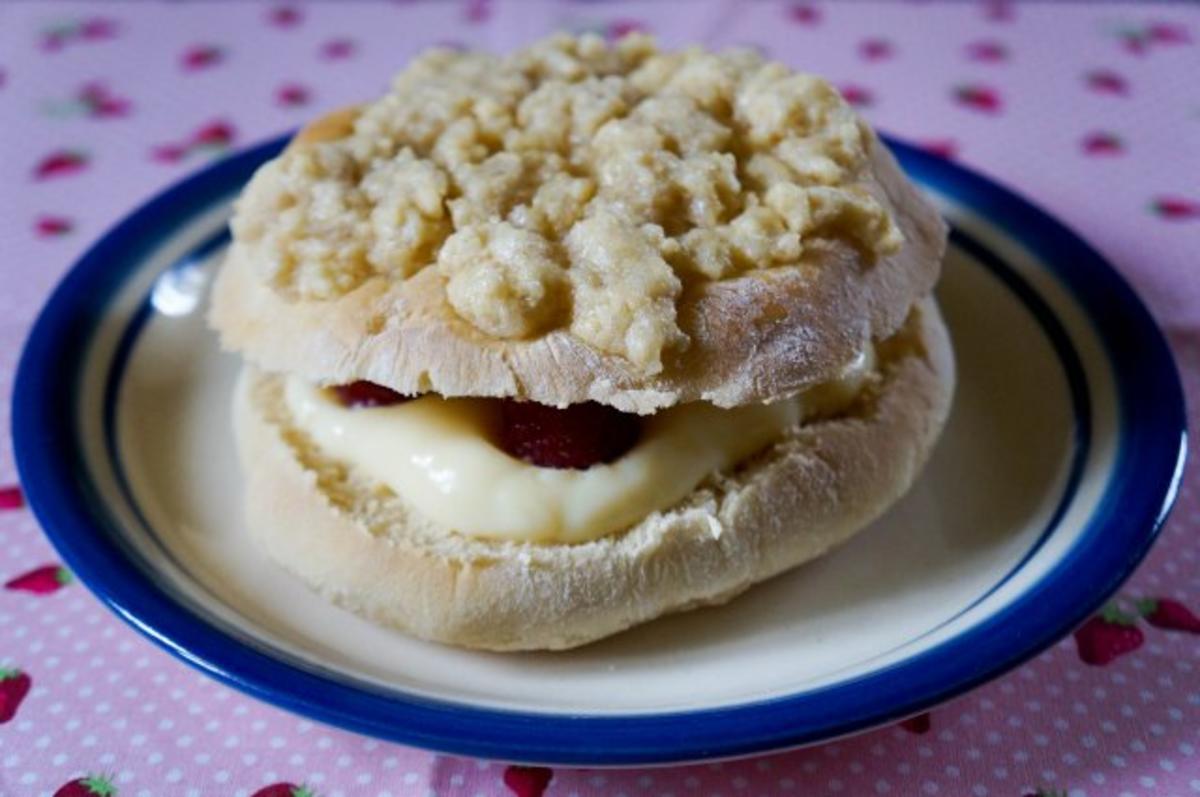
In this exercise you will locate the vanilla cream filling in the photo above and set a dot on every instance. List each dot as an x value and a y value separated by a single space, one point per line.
436 453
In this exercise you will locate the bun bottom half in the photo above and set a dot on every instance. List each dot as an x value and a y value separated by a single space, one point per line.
362 547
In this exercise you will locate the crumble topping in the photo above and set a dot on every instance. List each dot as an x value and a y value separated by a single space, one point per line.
570 185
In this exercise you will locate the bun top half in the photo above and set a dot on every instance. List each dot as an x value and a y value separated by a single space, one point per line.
579 222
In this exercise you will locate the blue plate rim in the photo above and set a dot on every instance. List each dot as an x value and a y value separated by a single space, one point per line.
1144 482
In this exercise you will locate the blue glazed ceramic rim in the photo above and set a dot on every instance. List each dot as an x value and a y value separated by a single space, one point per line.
1142 485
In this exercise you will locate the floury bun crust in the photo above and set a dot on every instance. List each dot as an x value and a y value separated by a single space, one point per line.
363 548
576 222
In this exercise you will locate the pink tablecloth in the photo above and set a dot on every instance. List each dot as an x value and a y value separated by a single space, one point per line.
1092 111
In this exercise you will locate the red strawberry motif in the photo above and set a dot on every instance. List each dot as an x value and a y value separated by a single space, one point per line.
1168 614
476 11
987 51
60 163
284 790
14 685
169 153
999 11
875 49
214 134
11 497
1168 33
42 581
856 95
979 98
292 95
527 781
100 103
201 56
575 437
367 394
94 29
1106 81
97 29
620 28
337 49
52 227
804 14
919 724
942 147
1107 636
1102 143
54 40
1134 42
1175 208
285 16
89 786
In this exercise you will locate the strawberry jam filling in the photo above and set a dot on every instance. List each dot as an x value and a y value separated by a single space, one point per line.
367 394
575 437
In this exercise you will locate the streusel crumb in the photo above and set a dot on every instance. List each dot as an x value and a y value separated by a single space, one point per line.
570 184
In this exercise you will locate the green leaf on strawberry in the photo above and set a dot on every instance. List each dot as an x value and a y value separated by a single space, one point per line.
88 786
284 790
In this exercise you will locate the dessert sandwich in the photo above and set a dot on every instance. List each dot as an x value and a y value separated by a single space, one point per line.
542 346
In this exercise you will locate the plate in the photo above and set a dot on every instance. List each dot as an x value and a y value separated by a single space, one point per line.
1062 455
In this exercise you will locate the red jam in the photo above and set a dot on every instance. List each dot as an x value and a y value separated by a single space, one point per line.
367 394
574 437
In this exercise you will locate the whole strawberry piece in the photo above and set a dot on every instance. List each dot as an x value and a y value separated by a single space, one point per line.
284 790
89 786
11 497
918 724
577 436
1107 636
1168 614
60 163
42 581
14 685
527 781
367 394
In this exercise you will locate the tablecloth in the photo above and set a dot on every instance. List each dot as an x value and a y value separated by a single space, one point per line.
1091 111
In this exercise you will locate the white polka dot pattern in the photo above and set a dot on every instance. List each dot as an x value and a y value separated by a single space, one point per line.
1072 105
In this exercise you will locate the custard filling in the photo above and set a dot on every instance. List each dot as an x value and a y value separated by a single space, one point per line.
439 455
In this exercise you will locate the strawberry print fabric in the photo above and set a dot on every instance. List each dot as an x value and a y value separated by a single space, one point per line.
1091 111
